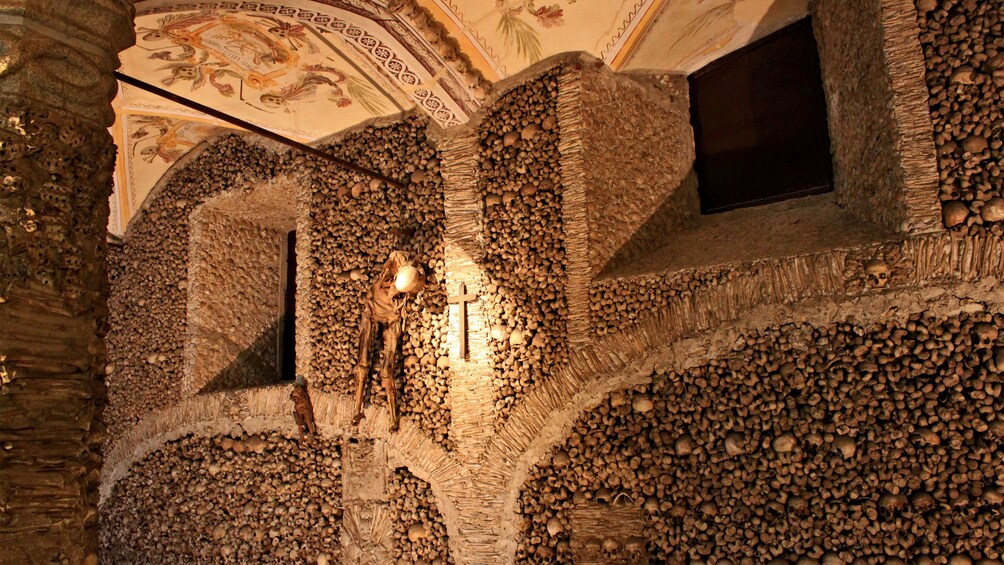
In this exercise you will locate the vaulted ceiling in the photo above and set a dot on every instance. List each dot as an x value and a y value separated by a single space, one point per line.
310 68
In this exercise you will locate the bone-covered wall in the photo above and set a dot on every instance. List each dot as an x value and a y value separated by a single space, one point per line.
204 260
235 302
842 442
149 280
964 54
354 225
524 260
821 443
419 530
861 123
237 498
638 162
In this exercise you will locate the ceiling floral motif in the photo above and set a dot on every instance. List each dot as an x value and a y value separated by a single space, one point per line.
303 68
308 69
265 68
687 35
514 34
521 23
150 146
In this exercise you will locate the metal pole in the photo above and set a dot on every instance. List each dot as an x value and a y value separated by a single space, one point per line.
254 129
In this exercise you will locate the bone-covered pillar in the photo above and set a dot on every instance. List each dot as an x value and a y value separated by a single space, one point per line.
56 163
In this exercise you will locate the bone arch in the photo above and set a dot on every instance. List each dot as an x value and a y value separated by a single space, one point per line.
267 409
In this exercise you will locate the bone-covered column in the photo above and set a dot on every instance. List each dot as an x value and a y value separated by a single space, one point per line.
56 163
471 371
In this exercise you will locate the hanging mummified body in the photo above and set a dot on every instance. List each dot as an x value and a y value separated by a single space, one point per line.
400 279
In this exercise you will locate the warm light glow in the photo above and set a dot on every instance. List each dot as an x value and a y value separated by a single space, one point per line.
407 279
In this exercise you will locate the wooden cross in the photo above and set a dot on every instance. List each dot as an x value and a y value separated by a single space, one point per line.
462 300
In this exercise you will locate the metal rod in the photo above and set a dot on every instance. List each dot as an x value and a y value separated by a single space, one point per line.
254 129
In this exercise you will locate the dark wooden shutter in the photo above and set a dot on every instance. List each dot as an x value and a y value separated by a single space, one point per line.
759 117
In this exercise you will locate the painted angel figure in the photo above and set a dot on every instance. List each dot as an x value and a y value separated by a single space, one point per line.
400 278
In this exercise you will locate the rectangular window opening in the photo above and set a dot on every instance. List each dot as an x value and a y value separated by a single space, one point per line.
287 348
760 123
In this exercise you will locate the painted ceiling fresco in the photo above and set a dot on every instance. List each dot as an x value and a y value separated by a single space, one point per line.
686 36
310 68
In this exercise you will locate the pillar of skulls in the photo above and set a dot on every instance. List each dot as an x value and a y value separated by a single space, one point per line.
56 164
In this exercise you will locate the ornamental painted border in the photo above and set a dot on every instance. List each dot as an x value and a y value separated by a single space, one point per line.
432 102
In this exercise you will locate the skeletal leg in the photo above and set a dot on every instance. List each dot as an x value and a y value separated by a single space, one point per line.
299 423
391 342
362 366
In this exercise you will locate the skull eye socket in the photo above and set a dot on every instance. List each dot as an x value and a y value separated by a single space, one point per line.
876 272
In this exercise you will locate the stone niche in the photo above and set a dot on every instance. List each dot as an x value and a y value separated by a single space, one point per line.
631 195
236 288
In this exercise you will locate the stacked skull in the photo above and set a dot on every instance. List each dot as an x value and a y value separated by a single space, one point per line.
419 531
355 223
352 222
618 303
227 499
825 445
524 259
149 276
963 46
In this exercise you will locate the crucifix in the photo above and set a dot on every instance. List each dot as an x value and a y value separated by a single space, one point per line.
462 300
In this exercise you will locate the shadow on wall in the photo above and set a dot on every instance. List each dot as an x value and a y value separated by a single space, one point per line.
660 228
257 365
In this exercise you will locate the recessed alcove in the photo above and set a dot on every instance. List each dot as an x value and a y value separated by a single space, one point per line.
808 224
880 184
241 291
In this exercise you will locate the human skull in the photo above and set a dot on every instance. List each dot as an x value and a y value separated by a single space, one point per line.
57 200
11 184
635 546
72 260
74 288
877 273
12 150
409 279
986 334
46 278
71 136
54 163
893 502
593 548
55 232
